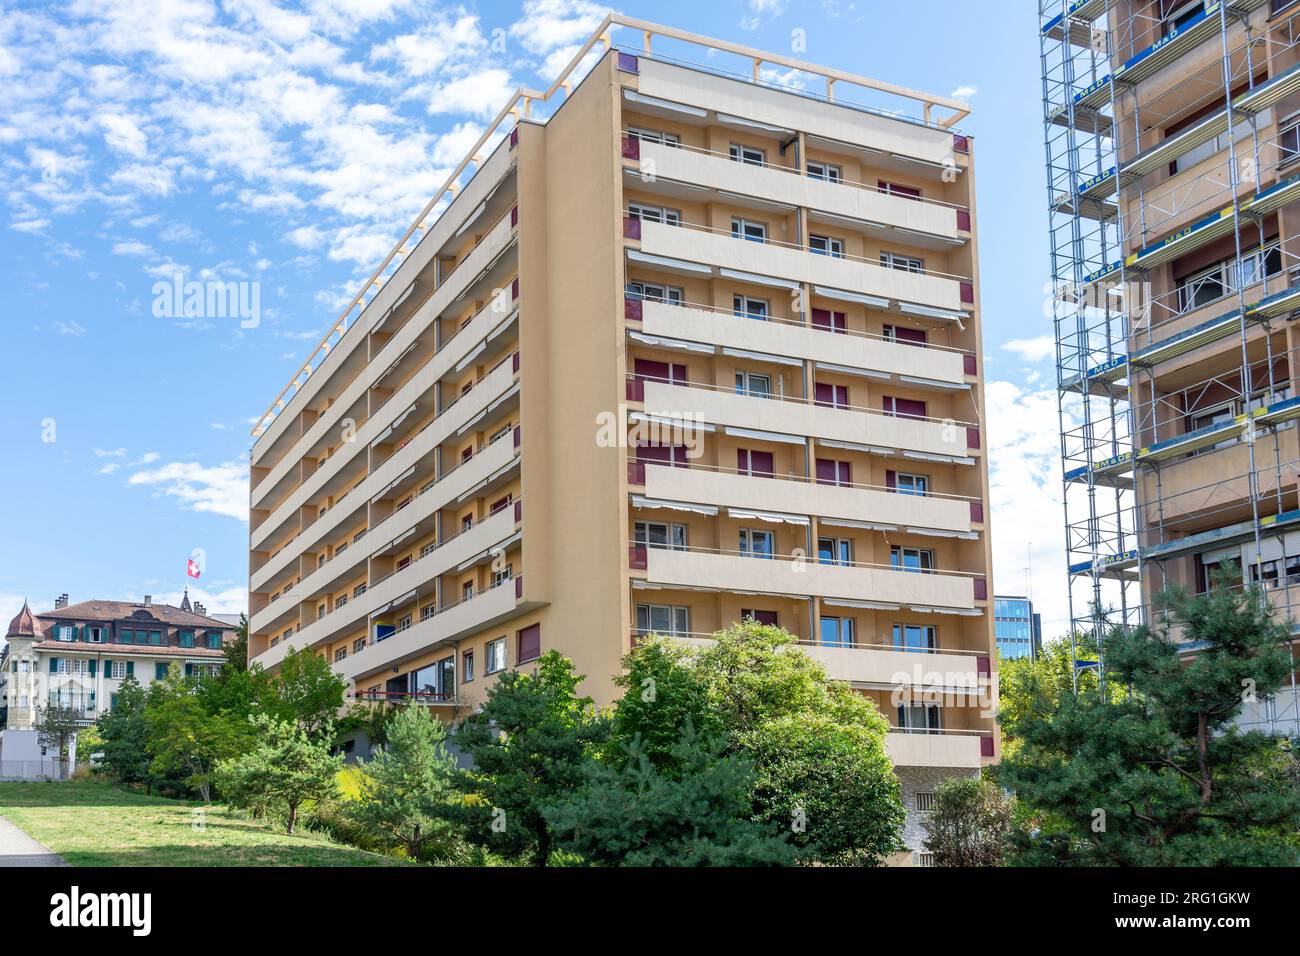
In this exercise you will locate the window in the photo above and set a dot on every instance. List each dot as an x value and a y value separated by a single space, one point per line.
903 335
214 640
767 618
427 612
830 396
671 217
922 858
903 407
501 504
748 154
747 306
466 522
1178 14
909 484
653 136
919 719
65 632
893 260
339 654
96 635
404 623
663 619
755 543
125 637
467 591
659 534
894 189
915 560
467 667
187 638
403 564
915 638
466 454
748 229
655 292
830 321
754 384
755 463
831 472
835 551
502 576
924 802
357 591
320 611
529 643
496 656
826 246
831 174
358 645
155 638
1214 282
1217 144
837 632
1288 140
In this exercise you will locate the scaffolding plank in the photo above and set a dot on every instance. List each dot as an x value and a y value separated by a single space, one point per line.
1204 230
1273 198
1203 334
1083 119
1171 46
1170 149
1079 10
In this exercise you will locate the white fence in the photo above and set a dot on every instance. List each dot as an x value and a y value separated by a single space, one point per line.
46 768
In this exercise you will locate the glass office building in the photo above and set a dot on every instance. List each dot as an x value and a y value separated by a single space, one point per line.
1018 630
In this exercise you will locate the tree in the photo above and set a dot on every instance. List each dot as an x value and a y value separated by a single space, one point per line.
1161 776
55 728
237 650
821 773
407 785
307 691
628 812
125 738
969 823
185 737
529 743
285 769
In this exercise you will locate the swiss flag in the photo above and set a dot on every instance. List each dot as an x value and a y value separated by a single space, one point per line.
192 568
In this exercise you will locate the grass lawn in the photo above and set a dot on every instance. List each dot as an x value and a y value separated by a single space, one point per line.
98 824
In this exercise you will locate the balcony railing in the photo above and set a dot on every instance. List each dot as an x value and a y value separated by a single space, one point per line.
426 698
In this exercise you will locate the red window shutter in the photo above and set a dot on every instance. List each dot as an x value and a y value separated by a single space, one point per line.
762 617
981 589
658 453
972 438
514 288
904 407
909 192
647 369
977 512
841 396
845 472
823 394
963 220
678 374
967 292
839 322
909 336
514 137
821 318
825 471
631 147
631 227
635 390
982 667
760 462
530 644
467 454
968 365
986 746
636 473
742 460
891 480
632 308
637 558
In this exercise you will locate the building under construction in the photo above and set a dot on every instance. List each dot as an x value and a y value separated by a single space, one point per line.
1172 135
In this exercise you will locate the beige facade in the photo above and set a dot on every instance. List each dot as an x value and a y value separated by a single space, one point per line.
1173 161
692 348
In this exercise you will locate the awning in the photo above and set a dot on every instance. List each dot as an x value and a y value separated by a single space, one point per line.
763 357
849 370
659 341
933 383
860 525
941 459
634 97
862 605
758 279
764 436
641 501
937 533
931 312
874 301
396 541
726 119
962 612
393 484
474 353
503 327
392 427
685 426
636 255
771 516
469 220
850 446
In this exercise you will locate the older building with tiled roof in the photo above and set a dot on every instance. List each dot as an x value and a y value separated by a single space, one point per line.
77 656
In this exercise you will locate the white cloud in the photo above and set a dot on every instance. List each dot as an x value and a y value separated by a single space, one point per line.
1028 522
1037 349
71 327
122 134
482 93
219 489
964 92
110 452
548 24
30 225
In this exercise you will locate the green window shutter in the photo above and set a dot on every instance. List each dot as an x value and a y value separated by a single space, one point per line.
189 670
130 668
92 668
159 671
54 665
83 634
128 637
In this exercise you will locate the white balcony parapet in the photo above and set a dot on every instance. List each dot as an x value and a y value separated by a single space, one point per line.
934 750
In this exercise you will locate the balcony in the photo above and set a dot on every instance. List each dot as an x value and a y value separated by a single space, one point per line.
454 621
793 416
944 749
878 213
934 295
883 586
956 673
911 365
803 496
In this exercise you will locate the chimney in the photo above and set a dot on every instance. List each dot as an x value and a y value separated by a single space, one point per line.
61 601
148 600
199 608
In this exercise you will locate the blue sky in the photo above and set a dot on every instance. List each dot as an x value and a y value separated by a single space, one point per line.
290 145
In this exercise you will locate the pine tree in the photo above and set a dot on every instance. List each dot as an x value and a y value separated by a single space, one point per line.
285 769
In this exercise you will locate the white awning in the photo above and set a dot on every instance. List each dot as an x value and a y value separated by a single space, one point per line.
758 279
963 612
392 427
503 327
634 97
636 255
473 354
862 605
937 533
861 525
659 341
394 483
850 446
941 459
931 312
671 422
934 383
874 301
726 119
763 357
849 370
396 541
641 501
469 220
770 516
764 436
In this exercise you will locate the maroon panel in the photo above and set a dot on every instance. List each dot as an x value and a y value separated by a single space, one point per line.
652 370
762 617
631 308
821 318
514 216
760 463
631 147
627 62
904 407
960 144
514 137
518 435
968 365
636 473
826 471
678 374
514 288
631 227
894 189
977 512
963 220
972 438
529 644
823 394
637 558
891 479
981 589
967 292
659 453
635 390
846 472
519 588
986 746
514 362
982 667
908 336
519 511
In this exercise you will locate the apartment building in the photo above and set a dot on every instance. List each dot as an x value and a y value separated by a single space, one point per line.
77 655
1173 134
689 349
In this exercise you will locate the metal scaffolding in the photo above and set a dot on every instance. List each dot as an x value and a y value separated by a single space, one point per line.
1124 420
